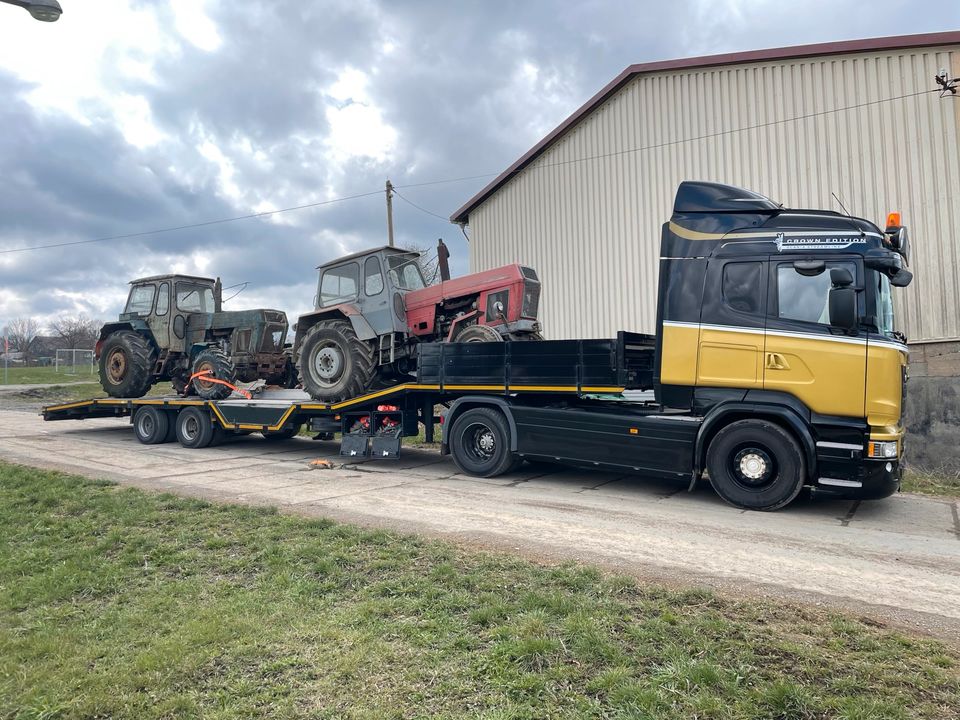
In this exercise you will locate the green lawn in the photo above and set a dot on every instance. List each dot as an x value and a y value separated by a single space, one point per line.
115 603
38 375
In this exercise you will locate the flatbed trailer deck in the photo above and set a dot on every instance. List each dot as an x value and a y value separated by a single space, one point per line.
580 402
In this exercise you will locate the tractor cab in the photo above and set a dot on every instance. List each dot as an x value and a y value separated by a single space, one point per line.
165 302
372 284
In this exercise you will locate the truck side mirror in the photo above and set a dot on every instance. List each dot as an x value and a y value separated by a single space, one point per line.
901 278
842 300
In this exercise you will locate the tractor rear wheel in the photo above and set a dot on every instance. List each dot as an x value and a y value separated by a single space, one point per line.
333 363
126 364
478 333
214 360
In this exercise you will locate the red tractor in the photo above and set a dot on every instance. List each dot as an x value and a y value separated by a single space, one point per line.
374 307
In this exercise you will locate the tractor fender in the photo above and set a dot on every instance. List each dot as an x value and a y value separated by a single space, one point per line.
728 412
343 312
474 401
137 326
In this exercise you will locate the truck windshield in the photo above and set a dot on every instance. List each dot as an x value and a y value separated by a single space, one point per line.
884 300
405 272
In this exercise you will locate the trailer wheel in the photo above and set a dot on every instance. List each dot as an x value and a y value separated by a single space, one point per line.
755 464
151 426
284 433
480 443
195 428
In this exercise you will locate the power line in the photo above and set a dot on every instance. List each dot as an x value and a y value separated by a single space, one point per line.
421 209
721 133
446 181
219 221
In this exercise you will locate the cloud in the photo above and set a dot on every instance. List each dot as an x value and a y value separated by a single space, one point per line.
129 115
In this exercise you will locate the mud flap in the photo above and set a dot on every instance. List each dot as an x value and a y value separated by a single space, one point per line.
386 447
354 446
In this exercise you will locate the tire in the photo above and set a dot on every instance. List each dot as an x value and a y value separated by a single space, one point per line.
756 465
126 364
333 363
477 333
221 367
195 428
151 426
284 433
480 443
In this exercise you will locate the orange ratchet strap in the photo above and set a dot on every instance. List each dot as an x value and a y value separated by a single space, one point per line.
206 376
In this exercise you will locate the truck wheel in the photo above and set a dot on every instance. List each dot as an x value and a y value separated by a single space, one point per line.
480 443
126 363
195 428
284 433
477 333
220 367
334 364
756 464
151 426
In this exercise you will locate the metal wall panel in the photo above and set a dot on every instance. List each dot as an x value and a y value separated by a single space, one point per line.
591 227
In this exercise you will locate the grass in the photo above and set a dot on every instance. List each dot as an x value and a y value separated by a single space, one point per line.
117 603
55 394
942 483
42 375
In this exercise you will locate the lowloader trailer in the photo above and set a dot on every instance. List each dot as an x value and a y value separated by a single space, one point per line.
775 367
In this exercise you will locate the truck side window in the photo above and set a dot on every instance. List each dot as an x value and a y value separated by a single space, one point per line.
372 277
141 299
163 299
742 283
804 298
339 284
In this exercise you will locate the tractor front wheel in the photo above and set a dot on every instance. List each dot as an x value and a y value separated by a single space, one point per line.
126 364
477 333
333 363
220 367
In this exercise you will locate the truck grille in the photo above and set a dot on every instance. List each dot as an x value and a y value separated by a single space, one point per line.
531 299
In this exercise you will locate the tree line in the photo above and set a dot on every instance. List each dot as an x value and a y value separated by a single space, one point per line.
30 339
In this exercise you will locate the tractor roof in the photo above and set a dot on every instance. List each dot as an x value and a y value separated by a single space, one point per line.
152 278
354 256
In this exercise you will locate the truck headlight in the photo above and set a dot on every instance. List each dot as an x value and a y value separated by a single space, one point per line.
885 449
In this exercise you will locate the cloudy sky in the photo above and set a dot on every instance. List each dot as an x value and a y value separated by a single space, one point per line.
134 115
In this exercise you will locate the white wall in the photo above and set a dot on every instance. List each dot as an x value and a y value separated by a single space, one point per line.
591 227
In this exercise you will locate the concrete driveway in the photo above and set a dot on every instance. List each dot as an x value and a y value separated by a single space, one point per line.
896 560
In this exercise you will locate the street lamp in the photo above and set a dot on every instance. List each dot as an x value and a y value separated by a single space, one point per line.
43 10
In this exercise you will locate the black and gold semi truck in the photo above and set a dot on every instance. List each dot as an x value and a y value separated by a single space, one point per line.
775 367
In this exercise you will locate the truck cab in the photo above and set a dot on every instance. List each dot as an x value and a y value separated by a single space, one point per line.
772 312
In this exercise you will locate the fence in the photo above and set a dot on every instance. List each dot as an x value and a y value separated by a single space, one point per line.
74 361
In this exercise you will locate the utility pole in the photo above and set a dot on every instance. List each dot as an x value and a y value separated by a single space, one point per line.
389 213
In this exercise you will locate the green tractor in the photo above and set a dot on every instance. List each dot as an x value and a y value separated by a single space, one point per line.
173 328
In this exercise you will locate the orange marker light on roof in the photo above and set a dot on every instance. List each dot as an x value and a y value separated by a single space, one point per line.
893 220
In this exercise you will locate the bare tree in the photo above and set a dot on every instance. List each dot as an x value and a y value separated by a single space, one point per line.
22 334
76 331
428 261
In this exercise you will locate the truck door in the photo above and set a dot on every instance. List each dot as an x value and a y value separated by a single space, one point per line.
732 324
823 366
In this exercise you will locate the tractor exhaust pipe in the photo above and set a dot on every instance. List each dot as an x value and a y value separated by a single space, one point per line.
217 296
443 256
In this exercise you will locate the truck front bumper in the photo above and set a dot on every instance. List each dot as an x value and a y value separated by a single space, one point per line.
874 479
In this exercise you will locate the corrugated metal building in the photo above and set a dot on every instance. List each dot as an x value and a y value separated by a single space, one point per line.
859 119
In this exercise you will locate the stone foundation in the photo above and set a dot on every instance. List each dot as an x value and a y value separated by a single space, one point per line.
932 409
